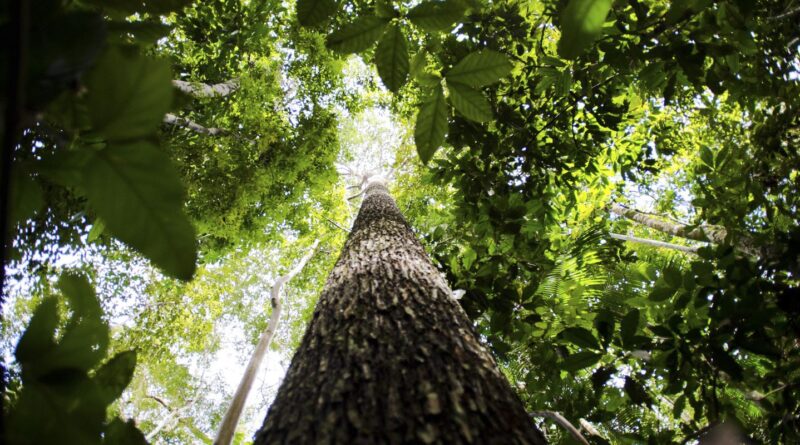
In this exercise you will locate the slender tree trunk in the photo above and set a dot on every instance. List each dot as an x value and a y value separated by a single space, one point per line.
652 242
177 121
389 356
228 425
714 234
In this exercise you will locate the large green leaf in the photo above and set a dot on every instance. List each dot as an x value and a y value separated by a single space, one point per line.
431 124
469 102
436 16
25 197
628 327
391 58
581 337
581 24
38 338
114 375
119 432
128 95
80 293
480 68
358 35
580 360
315 12
139 195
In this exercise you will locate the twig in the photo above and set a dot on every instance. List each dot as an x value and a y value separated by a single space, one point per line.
336 224
559 419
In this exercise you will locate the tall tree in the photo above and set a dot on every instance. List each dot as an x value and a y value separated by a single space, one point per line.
390 356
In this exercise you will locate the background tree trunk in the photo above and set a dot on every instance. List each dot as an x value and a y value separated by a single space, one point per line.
389 356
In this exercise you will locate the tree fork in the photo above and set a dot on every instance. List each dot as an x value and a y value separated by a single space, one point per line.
389 356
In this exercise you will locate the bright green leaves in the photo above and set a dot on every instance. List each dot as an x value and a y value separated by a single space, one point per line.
469 102
431 125
128 95
581 24
138 194
358 35
480 68
435 16
391 58
61 400
315 12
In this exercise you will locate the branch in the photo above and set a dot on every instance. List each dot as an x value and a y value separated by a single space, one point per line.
705 233
336 224
559 419
654 243
177 121
228 426
202 90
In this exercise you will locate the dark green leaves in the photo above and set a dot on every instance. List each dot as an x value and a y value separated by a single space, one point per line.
580 337
128 95
581 23
315 12
358 35
135 190
59 401
580 360
431 124
133 6
628 327
391 58
436 16
480 68
469 102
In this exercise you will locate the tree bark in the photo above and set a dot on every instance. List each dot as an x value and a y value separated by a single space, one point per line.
652 242
177 121
389 356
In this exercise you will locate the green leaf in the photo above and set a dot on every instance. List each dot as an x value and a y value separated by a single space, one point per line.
431 125
147 33
81 295
673 277
436 16
128 95
469 102
581 24
468 257
725 362
628 327
385 9
358 35
391 58
480 68
637 392
139 195
97 230
581 337
38 338
661 293
580 360
315 12
115 375
119 432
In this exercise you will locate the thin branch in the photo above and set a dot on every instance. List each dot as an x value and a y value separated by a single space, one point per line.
228 426
559 419
171 119
336 225
784 15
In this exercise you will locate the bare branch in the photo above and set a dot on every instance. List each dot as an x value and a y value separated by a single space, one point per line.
654 243
559 419
177 121
228 426
203 90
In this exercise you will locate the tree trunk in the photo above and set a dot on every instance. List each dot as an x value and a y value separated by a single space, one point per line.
389 356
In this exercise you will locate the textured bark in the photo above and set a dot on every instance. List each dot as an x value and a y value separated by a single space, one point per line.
714 234
389 356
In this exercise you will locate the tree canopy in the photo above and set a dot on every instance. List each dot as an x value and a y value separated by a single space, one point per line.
613 187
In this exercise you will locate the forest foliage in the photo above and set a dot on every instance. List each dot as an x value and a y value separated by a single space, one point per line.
520 127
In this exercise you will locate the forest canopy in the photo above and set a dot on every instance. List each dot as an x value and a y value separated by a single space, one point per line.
610 187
